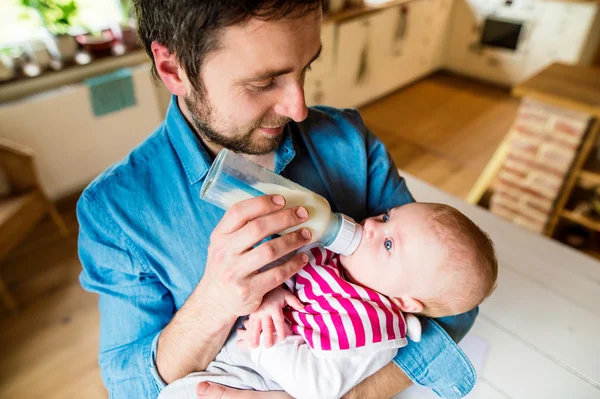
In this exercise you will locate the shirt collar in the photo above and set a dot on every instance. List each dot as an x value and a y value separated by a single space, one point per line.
194 157
286 150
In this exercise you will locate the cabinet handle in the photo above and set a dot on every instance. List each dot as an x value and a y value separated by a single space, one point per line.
402 21
363 67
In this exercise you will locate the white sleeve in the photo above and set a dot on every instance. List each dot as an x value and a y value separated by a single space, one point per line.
301 374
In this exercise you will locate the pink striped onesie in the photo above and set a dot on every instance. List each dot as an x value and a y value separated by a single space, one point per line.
341 318
344 334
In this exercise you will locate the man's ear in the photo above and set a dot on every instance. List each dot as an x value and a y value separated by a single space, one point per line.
408 304
169 69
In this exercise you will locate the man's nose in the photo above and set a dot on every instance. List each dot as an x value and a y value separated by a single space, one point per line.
293 104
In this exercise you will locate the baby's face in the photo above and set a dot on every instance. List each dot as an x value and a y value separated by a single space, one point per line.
399 255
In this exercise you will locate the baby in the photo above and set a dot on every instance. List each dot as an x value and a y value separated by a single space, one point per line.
346 312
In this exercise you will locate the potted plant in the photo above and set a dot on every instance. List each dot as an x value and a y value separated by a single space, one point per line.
127 25
58 16
97 43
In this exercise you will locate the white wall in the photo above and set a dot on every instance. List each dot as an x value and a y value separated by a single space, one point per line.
553 31
73 146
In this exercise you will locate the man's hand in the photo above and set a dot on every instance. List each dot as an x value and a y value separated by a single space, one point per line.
208 390
268 318
232 285
384 384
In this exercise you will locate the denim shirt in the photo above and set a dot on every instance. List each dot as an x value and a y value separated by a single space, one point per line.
144 235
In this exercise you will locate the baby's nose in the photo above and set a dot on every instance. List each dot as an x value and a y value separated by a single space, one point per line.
369 228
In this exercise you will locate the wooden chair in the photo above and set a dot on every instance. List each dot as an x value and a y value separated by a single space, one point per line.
23 208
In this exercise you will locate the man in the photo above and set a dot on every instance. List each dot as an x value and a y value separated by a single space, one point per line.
173 272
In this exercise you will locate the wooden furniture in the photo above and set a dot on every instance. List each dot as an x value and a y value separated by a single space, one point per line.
539 327
571 87
24 207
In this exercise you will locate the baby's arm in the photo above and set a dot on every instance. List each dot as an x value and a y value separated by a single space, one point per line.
268 318
293 366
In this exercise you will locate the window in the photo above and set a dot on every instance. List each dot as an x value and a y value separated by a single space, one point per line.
19 24
16 24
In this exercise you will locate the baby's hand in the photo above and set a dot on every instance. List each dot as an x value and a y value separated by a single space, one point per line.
268 318
243 336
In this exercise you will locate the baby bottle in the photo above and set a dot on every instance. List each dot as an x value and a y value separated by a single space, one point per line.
232 178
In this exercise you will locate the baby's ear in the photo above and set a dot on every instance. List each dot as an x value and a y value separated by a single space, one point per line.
408 304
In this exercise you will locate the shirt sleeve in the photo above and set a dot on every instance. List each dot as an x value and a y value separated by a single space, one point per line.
436 362
134 305
293 366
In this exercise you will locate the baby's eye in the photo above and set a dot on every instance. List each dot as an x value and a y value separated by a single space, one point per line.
386 217
388 244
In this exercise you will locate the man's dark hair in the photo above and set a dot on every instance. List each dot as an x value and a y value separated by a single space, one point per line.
191 28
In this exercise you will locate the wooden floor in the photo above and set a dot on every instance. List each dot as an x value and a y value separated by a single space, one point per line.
442 130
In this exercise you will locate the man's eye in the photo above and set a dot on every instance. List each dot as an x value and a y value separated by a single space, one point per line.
386 217
388 244
259 86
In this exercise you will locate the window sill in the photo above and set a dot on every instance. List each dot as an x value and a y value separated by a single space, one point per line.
14 90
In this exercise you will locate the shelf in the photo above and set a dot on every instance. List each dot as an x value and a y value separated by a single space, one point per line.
588 179
19 88
353 12
589 175
590 222
567 86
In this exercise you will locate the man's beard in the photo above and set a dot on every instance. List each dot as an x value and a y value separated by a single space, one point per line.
246 143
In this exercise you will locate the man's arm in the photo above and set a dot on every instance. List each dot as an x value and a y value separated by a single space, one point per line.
134 305
232 285
384 384
136 357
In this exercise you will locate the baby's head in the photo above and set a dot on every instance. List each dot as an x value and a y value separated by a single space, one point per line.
427 258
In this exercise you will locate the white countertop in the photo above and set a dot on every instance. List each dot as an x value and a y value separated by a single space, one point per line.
539 333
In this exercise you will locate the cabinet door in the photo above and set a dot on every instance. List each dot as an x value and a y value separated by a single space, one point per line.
353 73
324 64
317 90
391 60
437 23
317 86
419 39
403 46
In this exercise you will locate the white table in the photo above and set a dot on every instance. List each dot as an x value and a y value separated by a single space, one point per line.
541 327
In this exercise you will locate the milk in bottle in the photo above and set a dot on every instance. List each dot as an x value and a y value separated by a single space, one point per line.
232 178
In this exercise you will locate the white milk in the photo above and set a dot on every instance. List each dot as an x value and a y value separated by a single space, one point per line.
319 211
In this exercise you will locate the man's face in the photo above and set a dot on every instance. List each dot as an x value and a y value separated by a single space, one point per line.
254 83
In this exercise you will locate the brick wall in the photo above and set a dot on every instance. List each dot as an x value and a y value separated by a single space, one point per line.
543 142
